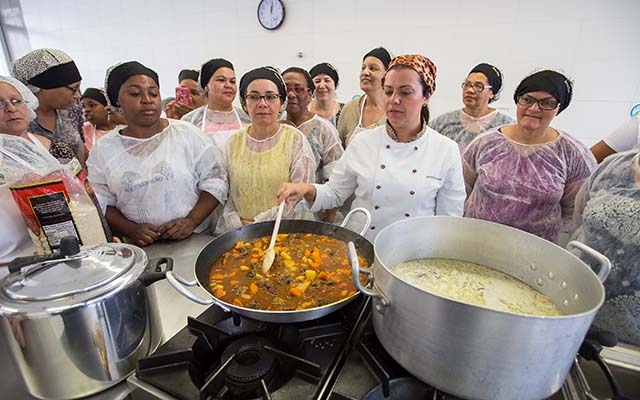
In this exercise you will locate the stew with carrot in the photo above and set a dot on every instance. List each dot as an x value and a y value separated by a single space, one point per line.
309 271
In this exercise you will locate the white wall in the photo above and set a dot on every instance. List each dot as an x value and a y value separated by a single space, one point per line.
593 41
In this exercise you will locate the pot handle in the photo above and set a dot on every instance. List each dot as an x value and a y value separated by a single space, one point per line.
154 271
384 302
177 282
367 216
605 264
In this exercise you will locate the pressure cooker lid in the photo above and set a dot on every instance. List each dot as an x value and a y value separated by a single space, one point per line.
92 270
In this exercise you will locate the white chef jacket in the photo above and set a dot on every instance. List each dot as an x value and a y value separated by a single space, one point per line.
395 180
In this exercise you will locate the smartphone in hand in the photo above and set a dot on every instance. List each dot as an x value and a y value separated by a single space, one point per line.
183 95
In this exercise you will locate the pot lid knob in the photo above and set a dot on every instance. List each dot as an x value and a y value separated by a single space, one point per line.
69 245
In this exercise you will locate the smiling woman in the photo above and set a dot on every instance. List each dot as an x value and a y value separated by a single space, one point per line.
156 178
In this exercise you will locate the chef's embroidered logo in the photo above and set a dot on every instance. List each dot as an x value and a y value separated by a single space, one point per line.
433 177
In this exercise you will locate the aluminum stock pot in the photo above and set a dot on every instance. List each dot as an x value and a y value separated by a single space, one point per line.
77 321
471 351
218 246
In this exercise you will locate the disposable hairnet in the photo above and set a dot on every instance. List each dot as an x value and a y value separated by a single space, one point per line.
25 93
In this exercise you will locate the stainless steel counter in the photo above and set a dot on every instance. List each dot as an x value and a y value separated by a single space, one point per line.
174 310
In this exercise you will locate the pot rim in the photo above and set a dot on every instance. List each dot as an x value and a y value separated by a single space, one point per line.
408 286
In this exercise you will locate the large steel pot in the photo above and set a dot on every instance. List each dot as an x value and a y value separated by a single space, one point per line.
76 322
470 351
218 246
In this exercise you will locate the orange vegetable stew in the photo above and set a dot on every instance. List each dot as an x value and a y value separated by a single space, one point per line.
309 271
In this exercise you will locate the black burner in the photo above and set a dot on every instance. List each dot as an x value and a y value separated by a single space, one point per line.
224 356
251 361
404 388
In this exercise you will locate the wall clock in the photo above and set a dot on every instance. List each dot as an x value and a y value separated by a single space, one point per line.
271 14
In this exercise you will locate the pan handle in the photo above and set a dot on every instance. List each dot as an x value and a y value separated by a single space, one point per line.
179 284
383 302
367 216
605 264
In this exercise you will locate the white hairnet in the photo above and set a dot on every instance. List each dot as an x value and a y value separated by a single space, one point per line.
27 95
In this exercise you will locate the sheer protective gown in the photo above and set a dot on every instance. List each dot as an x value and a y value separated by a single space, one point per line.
610 224
529 187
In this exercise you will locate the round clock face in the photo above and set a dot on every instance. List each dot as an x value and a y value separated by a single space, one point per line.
270 13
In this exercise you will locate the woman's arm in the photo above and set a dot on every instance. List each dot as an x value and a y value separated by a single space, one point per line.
601 150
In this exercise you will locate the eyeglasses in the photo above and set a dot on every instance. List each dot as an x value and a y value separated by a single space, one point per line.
13 102
548 103
298 90
477 86
74 89
255 98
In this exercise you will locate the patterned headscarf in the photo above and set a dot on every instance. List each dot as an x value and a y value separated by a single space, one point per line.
422 65
46 69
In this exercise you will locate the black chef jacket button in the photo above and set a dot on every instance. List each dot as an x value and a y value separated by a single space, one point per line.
388 146
378 187
414 170
415 147
382 166
373 227
376 207
407 215
412 192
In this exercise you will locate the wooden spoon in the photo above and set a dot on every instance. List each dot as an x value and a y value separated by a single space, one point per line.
270 255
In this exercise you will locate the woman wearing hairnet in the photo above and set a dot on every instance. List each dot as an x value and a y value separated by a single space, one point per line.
157 178
17 110
367 111
325 79
608 218
218 118
264 154
53 77
482 87
17 105
527 175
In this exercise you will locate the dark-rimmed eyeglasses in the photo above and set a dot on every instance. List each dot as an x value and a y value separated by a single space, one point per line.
297 90
74 89
255 98
548 103
13 102
477 86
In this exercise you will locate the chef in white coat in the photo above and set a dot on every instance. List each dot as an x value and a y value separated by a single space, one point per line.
400 170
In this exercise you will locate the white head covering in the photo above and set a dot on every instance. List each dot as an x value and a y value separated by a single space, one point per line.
27 96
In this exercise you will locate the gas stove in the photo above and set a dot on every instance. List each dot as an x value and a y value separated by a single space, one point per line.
220 355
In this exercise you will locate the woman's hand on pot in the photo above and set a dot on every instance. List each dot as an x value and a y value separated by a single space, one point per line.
144 234
246 221
177 229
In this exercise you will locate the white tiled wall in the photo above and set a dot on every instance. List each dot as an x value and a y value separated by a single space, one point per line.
593 41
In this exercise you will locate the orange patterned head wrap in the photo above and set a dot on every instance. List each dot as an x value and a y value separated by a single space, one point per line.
421 64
